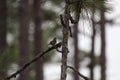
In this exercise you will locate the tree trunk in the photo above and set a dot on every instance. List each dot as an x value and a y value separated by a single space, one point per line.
24 37
3 35
65 41
76 52
38 38
103 45
3 25
92 54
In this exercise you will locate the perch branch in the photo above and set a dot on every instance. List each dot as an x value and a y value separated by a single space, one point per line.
33 60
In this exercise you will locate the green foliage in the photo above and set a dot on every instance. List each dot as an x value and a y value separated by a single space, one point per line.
94 4
12 9
49 15
91 5
54 29
49 56
9 56
57 2
3 63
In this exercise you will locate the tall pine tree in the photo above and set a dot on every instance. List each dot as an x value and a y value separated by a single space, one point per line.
38 39
24 37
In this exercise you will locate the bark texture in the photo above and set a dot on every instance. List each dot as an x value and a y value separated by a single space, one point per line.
92 54
103 44
65 41
24 35
78 7
38 39
3 25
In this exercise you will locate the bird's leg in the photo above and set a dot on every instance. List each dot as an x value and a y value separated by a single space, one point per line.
58 50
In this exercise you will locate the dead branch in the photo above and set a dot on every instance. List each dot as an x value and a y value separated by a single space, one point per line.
81 75
33 60
62 21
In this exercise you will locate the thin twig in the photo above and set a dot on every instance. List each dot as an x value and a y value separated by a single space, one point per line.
70 32
81 75
72 20
62 21
33 60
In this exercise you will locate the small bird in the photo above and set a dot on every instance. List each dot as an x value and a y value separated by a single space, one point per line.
53 41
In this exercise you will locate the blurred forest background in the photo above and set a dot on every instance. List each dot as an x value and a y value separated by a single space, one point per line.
27 27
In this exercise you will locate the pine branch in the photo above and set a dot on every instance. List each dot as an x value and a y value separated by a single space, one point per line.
33 60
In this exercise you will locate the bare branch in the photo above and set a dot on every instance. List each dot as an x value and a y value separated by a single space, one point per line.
62 21
81 75
33 60
72 20
70 32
